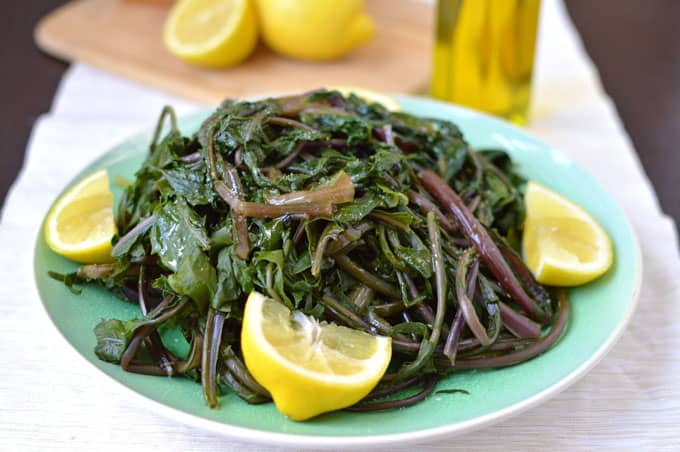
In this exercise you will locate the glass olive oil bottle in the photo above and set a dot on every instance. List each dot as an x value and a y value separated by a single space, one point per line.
484 55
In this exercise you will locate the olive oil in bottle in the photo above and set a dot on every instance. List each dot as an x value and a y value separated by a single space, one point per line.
484 55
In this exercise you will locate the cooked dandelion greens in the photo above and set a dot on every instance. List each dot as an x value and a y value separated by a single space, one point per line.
377 220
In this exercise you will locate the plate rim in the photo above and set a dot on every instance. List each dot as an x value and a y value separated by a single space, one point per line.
264 437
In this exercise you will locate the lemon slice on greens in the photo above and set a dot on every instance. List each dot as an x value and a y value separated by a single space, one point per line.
309 367
80 224
563 245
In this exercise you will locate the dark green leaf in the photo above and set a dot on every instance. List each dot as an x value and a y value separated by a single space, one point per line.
195 277
178 231
191 182
113 337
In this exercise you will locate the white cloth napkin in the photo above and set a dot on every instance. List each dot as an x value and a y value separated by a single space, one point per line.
50 399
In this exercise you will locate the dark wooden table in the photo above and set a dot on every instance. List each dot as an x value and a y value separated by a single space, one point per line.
634 44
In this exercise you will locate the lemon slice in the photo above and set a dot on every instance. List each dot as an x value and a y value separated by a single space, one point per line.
368 95
80 224
211 33
309 367
562 244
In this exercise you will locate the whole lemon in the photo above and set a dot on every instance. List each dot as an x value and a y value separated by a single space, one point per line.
314 29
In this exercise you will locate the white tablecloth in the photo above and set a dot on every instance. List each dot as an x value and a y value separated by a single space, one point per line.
51 399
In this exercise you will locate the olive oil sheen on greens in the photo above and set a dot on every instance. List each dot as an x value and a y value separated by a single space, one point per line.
484 55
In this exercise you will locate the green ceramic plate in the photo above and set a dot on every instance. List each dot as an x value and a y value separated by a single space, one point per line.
600 311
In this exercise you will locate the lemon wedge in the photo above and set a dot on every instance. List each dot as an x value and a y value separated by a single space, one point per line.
314 29
368 95
309 367
211 33
562 244
80 225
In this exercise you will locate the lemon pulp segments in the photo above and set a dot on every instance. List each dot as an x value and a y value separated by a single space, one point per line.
211 33
80 224
309 367
562 244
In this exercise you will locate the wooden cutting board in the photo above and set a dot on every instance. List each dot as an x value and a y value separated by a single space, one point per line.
124 37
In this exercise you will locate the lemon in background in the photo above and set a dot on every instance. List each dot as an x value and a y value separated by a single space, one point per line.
314 29
211 33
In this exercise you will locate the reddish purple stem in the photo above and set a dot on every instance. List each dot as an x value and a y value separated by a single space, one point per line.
519 325
481 240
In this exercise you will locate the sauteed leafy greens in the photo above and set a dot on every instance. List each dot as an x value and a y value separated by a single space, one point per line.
377 220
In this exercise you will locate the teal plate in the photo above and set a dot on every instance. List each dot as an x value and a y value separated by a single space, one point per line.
600 312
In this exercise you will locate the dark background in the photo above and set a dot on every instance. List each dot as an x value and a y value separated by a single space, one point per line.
634 43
